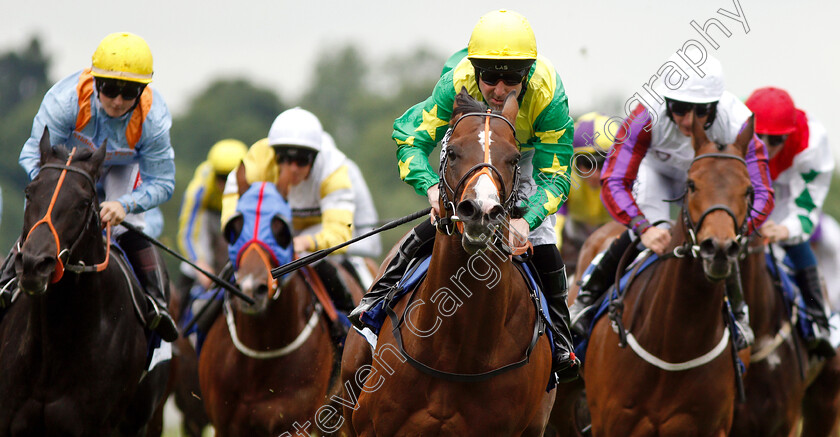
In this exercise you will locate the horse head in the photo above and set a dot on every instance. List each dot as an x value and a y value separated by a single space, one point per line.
479 168
60 215
259 239
718 198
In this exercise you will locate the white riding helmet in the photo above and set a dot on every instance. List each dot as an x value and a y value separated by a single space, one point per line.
296 127
696 89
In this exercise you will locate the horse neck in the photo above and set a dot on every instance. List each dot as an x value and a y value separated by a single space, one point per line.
478 287
281 320
682 296
90 248
764 301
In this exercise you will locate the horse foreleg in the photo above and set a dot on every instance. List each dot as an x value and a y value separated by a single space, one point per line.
357 353
821 404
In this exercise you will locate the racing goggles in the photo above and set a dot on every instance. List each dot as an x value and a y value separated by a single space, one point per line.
682 108
112 88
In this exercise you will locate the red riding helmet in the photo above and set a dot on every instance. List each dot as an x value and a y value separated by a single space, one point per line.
774 111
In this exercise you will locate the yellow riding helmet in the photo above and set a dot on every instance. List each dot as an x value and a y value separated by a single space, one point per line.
124 56
591 135
225 155
502 35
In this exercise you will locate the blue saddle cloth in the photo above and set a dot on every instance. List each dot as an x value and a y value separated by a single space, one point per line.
415 274
791 295
581 342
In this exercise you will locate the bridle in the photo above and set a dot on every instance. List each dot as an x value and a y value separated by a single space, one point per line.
61 265
452 222
692 246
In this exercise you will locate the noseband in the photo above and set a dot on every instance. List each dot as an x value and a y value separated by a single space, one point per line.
450 223
47 220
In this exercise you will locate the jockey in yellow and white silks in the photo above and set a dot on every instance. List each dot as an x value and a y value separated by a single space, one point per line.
199 221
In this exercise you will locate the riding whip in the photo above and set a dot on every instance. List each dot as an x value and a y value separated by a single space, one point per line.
224 284
316 256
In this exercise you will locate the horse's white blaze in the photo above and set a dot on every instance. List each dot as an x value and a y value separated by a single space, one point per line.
248 282
486 193
484 147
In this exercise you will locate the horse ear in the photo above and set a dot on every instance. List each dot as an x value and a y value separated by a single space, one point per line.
99 156
511 107
698 134
745 136
45 146
462 98
241 179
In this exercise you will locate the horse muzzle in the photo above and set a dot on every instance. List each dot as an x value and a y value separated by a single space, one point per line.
719 257
481 219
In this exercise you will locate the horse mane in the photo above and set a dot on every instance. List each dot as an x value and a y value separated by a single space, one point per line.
464 103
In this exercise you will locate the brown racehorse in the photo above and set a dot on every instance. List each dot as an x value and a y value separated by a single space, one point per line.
72 349
465 339
268 368
686 382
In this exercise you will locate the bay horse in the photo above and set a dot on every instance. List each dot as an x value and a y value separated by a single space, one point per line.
268 368
73 350
679 375
460 363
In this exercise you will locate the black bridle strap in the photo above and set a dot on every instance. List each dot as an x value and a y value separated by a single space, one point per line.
448 204
81 267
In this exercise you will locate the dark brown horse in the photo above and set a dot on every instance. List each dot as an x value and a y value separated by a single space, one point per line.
471 323
72 349
678 377
268 368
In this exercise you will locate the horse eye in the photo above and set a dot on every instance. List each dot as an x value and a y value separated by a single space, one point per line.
450 153
690 185
515 160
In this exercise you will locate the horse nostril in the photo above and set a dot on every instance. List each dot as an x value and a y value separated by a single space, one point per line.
708 248
496 213
467 209
261 290
733 249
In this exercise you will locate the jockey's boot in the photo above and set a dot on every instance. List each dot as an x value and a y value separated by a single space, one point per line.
740 310
8 278
555 287
421 234
149 270
809 283
340 296
598 282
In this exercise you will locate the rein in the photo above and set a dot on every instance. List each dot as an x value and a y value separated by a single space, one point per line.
47 220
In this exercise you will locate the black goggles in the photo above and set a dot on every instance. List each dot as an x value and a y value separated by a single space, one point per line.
112 88
301 157
773 140
510 78
682 108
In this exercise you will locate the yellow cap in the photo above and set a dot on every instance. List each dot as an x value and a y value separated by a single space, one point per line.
123 56
502 35
225 155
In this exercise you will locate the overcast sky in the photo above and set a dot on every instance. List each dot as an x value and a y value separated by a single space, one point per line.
600 48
